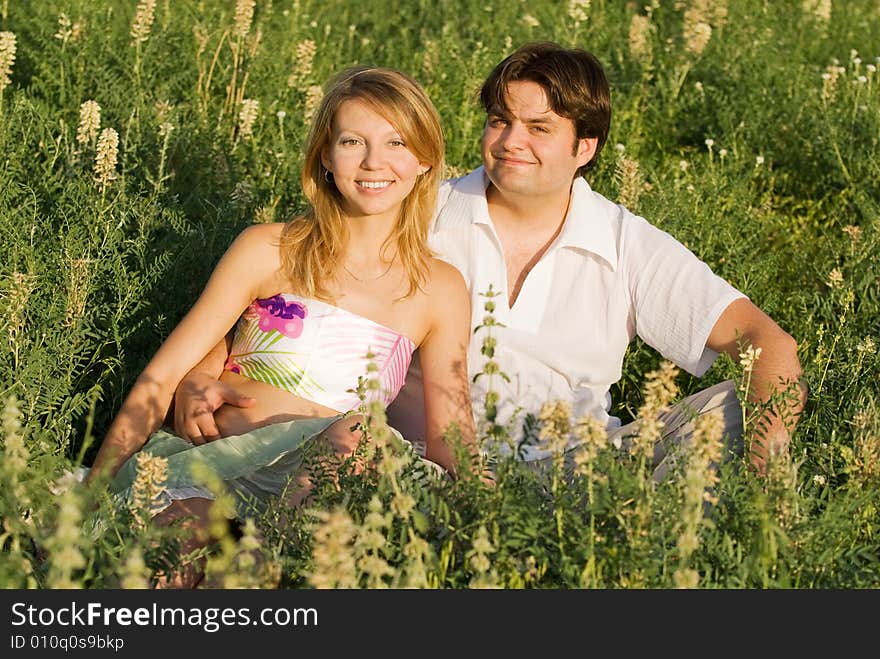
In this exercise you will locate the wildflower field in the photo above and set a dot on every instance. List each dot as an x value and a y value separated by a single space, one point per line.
138 138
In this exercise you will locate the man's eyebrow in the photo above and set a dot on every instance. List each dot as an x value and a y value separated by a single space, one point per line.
498 111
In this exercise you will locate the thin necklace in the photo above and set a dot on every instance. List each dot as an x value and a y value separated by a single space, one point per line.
363 281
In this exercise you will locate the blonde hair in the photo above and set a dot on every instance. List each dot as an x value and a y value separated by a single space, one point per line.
312 244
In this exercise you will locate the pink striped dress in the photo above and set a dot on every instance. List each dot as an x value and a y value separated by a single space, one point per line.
318 351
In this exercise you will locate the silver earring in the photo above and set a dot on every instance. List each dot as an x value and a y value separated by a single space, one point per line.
328 176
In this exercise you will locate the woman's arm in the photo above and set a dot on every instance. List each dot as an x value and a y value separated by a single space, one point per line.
444 366
244 269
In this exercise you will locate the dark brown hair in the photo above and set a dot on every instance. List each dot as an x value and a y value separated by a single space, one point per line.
573 80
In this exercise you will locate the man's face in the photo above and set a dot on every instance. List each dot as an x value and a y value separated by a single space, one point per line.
530 150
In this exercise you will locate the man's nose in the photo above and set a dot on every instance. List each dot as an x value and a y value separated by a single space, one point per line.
513 136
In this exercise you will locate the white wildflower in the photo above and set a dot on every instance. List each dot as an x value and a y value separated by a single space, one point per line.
640 29
577 10
247 117
244 16
105 159
89 122
835 278
7 58
143 21
748 357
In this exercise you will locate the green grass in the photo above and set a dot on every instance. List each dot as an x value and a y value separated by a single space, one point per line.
91 281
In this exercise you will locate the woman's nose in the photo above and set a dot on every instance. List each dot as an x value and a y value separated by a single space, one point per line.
374 158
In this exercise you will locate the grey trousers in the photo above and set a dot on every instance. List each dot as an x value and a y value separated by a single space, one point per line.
678 428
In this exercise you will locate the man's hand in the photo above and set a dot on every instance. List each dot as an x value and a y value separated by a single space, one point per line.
772 433
195 401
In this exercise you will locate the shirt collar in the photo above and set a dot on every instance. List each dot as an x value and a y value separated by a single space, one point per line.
588 226
466 203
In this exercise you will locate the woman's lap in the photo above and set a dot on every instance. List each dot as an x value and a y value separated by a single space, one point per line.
254 466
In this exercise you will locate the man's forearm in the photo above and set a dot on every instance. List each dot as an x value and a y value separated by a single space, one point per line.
782 403
776 386
436 450
211 365
213 362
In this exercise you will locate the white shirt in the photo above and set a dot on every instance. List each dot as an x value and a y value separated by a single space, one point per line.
608 276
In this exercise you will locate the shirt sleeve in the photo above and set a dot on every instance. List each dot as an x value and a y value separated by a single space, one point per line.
676 297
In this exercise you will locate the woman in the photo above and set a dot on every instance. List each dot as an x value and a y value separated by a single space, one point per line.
311 298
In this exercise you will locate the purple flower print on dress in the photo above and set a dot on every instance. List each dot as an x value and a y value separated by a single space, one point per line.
230 365
276 314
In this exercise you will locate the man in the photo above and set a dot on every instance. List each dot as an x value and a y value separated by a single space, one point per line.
579 276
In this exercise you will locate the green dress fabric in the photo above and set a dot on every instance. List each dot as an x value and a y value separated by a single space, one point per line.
255 466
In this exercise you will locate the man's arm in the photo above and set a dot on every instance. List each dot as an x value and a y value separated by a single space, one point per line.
200 394
777 369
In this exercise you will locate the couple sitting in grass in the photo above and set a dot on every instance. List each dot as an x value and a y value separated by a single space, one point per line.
389 261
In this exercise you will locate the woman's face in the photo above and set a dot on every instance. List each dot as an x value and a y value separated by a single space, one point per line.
372 167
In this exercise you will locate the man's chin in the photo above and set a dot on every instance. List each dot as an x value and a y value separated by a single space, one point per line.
519 189
512 182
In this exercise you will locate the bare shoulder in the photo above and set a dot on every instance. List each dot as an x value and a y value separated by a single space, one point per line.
445 297
255 256
259 236
260 242
444 279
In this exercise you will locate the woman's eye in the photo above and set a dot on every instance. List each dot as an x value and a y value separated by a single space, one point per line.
349 141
